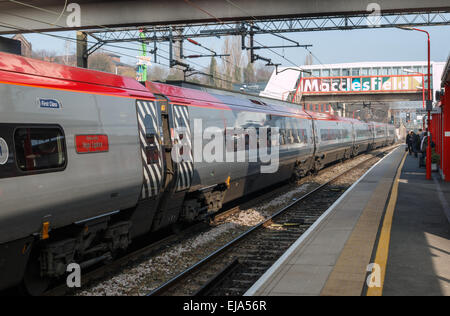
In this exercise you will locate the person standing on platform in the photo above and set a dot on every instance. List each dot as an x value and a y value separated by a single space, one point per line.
415 143
423 150
409 142
421 134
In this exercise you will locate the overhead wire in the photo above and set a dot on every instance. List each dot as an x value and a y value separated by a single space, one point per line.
278 35
101 26
7 25
62 13
16 28
220 21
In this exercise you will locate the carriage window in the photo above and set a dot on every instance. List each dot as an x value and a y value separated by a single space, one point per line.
40 148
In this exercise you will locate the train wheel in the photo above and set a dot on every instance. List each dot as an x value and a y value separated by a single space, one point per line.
33 283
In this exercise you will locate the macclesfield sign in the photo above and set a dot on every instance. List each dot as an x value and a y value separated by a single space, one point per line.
361 84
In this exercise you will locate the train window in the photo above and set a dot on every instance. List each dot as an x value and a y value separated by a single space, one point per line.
345 134
302 136
282 136
295 138
333 134
40 148
289 136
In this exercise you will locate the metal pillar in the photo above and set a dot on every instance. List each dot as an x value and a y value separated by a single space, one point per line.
445 157
82 46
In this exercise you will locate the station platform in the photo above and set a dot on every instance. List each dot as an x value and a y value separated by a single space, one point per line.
388 234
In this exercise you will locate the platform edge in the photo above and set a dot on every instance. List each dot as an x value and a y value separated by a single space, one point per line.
263 279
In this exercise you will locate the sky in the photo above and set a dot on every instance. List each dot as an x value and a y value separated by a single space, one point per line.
390 44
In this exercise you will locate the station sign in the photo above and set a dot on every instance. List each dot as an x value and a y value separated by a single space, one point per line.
366 84
437 110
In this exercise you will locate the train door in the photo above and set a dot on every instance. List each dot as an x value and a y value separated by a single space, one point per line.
315 141
178 162
182 135
149 121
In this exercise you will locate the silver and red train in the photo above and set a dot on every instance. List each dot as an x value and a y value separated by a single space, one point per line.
86 164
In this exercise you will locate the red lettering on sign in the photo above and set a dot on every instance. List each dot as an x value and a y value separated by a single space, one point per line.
91 143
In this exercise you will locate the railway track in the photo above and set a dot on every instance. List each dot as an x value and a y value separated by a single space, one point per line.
234 267
153 248
113 267
102 272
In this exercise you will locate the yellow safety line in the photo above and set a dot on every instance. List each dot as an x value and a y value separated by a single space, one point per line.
385 236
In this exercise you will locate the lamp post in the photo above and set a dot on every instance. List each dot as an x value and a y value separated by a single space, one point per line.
429 99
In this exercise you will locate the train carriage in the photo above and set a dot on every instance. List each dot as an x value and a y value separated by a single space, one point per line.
363 137
73 155
379 131
334 140
228 114
90 160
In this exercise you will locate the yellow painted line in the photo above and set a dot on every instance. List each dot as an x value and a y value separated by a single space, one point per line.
385 236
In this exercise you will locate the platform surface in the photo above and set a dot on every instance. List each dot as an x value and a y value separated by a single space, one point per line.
419 252
333 256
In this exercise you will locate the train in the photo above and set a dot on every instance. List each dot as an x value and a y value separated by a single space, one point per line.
87 161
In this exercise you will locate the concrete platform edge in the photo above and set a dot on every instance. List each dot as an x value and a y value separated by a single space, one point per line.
283 259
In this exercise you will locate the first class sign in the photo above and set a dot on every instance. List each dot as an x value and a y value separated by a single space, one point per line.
86 144
368 84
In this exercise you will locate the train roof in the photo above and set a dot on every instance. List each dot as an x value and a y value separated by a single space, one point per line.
20 70
226 99
33 72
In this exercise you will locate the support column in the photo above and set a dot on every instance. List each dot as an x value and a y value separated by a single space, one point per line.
446 129
82 58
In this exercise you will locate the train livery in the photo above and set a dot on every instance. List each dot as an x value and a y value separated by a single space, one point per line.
86 162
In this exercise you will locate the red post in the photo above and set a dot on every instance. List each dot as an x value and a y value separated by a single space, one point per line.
423 99
445 127
429 113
